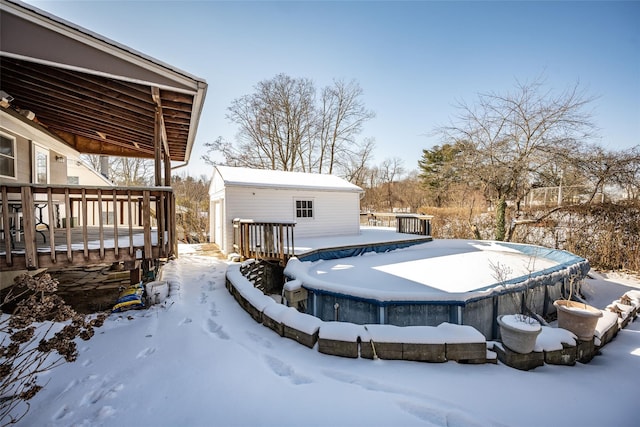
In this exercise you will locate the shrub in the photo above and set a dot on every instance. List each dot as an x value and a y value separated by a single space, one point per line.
37 336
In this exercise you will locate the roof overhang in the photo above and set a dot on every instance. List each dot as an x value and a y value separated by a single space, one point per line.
99 96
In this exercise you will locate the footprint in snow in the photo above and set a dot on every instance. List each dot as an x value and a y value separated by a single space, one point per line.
216 329
71 385
283 370
258 339
433 416
203 298
441 417
103 391
62 413
213 310
92 397
365 383
185 321
146 352
105 412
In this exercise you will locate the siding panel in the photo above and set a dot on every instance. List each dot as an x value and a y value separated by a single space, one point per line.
335 213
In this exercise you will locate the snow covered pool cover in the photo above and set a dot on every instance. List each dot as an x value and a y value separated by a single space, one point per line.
437 270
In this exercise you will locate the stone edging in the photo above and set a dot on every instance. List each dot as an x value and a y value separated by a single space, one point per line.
419 343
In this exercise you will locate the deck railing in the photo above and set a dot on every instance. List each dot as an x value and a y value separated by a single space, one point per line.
414 224
47 226
403 223
272 241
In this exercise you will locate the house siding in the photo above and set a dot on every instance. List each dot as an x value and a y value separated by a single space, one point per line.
335 213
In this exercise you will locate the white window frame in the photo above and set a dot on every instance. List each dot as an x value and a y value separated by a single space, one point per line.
14 156
39 149
300 209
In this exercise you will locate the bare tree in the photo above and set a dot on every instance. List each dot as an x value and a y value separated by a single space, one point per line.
509 140
410 193
341 118
127 171
621 169
355 167
390 169
192 206
273 122
282 128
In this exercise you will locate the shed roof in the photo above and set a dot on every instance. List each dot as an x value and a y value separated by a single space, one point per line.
263 178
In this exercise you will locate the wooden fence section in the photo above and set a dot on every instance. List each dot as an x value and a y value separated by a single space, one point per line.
414 224
58 226
271 241
403 223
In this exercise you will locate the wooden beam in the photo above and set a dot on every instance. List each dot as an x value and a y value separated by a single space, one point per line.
157 150
87 145
155 94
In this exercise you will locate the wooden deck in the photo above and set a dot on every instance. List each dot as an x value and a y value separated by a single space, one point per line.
59 226
97 250
274 241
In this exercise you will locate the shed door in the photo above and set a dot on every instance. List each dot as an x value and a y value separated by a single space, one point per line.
218 222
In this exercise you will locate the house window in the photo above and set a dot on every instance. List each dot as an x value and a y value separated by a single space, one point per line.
7 156
41 165
304 208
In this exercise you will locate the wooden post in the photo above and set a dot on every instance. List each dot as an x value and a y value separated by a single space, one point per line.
5 226
146 223
67 209
100 224
173 247
160 217
52 244
31 250
115 224
281 243
130 221
85 232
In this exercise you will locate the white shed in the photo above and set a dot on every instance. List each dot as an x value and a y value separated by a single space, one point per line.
320 205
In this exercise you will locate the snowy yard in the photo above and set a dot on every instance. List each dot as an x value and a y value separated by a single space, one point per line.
200 360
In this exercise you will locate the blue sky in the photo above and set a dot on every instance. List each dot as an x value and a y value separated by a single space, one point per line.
413 60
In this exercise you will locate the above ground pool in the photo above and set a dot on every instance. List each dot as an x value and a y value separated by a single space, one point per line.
458 281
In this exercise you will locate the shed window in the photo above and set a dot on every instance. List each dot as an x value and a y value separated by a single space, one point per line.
7 156
304 208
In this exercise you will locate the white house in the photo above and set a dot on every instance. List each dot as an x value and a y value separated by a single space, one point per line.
320 205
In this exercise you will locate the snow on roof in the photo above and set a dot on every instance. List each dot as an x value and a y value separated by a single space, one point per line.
247 177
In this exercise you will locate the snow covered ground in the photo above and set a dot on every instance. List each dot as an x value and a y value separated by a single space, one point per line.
200 360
